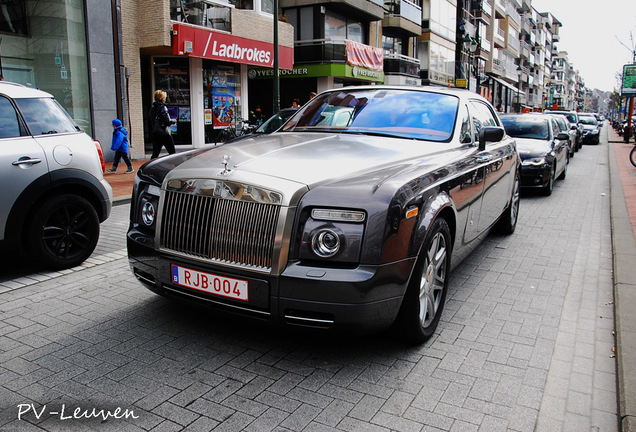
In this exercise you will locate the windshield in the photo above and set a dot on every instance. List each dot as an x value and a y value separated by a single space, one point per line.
46 116
526 127
588 120
399 113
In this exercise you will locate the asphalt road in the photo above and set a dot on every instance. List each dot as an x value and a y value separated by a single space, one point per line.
525 343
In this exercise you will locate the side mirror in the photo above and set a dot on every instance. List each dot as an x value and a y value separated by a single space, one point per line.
573 126
562 136
489 134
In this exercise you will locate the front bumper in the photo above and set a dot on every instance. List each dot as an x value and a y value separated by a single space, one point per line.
360 299
535 176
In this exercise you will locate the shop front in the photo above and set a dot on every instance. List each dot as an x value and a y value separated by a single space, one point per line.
43 45
361 64
205 79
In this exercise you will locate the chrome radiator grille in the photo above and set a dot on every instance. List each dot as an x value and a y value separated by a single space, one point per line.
222 230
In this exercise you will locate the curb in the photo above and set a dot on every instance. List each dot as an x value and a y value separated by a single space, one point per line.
624 257
121 200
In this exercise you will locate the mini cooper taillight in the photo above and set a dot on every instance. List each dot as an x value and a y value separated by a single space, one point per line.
101 155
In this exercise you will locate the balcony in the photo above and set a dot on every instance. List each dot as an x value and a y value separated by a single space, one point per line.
500 37
524 49
372 10
320 51
526 5
398 64
206 13
512 44
404 17
496 68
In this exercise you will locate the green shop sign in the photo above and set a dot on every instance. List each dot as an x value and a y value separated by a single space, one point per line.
324 70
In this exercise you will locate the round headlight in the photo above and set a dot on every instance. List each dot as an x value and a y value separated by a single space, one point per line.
148 213
325 243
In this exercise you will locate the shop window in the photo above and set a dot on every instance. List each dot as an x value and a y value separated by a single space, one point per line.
221 98
172 75
53 57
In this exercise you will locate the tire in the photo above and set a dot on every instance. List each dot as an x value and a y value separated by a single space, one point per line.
508 220
547 189
63 232
425 295
632 156
564 173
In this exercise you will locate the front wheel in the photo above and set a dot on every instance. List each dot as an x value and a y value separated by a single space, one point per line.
63 232
425 296
632 156
508 220
547 189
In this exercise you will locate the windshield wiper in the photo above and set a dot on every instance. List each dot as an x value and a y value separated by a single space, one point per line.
49 132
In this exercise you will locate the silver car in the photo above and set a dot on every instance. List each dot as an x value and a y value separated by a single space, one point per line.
53 192
345 218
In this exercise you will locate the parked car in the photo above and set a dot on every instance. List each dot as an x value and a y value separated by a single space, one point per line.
591 128
542 148
573 118
53 192
346 218
564 127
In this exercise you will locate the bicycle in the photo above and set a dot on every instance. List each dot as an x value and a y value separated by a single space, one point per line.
632 156
235 129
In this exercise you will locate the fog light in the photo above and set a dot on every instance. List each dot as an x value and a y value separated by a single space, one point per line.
325 243
148 213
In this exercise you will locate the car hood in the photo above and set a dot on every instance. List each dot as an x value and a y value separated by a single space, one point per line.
532 147
310 159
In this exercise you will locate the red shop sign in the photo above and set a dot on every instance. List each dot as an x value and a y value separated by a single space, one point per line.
204 43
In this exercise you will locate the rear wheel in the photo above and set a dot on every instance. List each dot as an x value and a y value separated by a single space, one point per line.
425 296
63 231
632 156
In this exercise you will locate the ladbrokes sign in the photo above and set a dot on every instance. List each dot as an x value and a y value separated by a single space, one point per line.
199 42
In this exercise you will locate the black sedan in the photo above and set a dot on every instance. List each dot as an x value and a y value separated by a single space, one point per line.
346 218
543 149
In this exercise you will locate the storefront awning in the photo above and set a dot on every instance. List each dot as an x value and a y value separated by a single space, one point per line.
505 84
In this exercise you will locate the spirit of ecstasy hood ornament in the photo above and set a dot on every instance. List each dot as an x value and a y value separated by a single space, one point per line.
226 160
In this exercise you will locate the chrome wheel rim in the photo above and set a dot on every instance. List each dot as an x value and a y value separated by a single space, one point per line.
433 279
516 194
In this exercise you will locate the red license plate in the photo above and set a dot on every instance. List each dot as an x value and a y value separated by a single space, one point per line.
210 283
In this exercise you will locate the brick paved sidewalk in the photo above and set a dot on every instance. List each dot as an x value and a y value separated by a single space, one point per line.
120 182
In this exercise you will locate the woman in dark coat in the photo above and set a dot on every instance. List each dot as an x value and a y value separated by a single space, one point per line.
160 133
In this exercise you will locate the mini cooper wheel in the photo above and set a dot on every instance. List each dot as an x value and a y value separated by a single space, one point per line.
424 299
63 232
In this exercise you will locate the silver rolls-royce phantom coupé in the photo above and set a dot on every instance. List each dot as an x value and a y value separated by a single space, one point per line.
351 216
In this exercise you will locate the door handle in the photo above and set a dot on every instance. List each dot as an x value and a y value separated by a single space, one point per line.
26 161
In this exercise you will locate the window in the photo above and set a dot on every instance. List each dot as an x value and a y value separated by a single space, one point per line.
482 116
339 27
9 126
405 114
45 116
465 133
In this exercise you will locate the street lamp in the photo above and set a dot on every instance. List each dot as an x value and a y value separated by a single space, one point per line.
470 45
519 70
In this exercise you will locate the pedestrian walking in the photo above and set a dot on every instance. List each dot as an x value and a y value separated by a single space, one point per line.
120 146
159 121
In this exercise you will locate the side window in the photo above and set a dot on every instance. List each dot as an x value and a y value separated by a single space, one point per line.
9 125
482 116
555 127
465 132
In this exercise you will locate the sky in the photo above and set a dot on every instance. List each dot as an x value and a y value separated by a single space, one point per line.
591 33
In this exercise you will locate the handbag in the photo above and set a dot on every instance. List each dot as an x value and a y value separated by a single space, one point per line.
157 129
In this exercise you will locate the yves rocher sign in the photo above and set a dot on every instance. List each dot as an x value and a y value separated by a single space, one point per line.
200 42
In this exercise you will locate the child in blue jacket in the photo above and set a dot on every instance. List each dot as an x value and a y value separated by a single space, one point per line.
120 146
